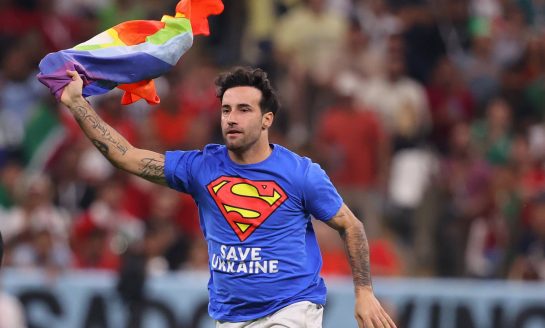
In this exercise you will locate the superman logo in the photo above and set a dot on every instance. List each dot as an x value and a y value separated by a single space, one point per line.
246 204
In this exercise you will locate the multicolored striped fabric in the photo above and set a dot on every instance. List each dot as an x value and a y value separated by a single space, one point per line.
130 55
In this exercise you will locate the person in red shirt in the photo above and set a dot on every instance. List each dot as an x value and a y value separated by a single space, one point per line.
354 149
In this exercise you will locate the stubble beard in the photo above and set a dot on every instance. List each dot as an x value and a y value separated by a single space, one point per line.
241 145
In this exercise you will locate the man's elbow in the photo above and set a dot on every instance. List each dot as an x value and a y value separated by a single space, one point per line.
354 224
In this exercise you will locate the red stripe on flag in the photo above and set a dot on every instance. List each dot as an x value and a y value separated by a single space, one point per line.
136 32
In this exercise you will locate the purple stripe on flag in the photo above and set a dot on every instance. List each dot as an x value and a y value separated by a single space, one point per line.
122 69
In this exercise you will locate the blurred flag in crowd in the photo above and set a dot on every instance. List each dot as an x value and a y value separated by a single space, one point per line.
130 55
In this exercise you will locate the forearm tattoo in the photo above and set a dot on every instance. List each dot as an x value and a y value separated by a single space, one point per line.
153 169
101 146
83 115
358 255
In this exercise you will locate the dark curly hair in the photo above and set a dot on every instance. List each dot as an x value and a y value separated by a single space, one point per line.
252 77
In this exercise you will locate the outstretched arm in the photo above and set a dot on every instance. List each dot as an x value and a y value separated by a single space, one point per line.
144 163
369 313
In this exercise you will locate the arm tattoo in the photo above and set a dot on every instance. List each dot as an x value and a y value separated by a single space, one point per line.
82 114
101 146
358 253
153 169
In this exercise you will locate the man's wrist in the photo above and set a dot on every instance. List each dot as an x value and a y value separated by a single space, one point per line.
76 102
363 289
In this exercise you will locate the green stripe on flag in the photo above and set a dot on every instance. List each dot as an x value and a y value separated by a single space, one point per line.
173 27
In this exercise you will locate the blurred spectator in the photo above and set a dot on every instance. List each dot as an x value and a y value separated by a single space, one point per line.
377 21
411 173
170 223
450 102
44 135
492 136
257 42
424 42
198 257
513 91
534 12
307 35
39 20
36 231
478 67
386 259
88 23
510 36
486 251
465 196
228 31
530 157
534 75
106 230
332 250
354 149
356 60
488 9
186 117
117 11
400 101
304 38
74 192
10 175
532 59
19 95
530 261
43 250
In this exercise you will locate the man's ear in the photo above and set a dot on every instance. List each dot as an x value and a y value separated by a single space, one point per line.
267 120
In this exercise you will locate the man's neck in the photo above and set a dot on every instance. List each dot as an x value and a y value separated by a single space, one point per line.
255 154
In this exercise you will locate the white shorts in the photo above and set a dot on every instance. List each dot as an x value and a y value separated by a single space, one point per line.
297 315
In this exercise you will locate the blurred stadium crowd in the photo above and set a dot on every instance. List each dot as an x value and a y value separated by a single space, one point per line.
428 116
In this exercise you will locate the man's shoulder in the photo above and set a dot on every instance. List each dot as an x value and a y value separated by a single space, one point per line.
209 152
213 149
288 155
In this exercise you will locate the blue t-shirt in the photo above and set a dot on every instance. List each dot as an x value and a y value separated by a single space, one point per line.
263 253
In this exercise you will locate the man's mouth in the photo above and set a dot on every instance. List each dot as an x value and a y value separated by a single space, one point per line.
233 132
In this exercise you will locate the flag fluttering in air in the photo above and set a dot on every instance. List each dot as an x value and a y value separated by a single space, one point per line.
130 55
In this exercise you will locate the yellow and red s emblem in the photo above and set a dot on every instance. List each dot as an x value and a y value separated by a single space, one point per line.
246 204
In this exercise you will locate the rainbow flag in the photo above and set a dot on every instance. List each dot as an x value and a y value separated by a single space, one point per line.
130 55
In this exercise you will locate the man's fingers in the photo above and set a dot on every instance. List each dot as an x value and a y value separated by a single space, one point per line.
369 323
360 322
73 74
392 323
383 321
377 321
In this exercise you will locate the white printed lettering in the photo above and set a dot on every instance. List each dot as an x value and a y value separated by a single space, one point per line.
222 250
255 254
273 266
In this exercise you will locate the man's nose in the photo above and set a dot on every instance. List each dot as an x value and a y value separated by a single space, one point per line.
231 119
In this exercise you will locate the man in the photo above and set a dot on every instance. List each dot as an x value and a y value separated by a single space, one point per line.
255 200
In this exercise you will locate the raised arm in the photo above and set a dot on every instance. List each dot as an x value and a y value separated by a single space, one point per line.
144 163
369 313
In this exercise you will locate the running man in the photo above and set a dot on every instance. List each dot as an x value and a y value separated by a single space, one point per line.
255 203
